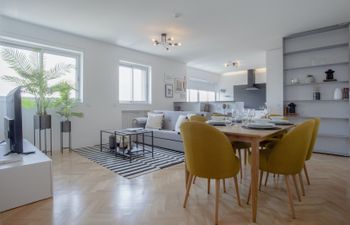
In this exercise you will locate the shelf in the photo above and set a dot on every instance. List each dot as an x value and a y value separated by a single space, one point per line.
329 100
333 135
318 48
317 83
315 66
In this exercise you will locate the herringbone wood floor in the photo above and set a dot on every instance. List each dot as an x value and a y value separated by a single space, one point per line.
86 193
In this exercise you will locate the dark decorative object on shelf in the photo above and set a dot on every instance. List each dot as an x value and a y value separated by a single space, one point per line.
291 108
317 93
345 93
330 76
42 123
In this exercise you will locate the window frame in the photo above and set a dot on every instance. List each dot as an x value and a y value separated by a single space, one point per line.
198 95
148 82
41 49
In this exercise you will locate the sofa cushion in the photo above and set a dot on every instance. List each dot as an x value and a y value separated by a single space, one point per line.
154 121
166 135
181 119
170 117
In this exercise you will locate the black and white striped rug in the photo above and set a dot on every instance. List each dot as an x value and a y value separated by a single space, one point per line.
139 166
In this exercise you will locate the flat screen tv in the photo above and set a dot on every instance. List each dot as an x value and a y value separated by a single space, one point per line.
13 122
253 99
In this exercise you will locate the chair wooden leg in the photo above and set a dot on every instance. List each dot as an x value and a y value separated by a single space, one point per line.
301 184
224 185
240 164
245 156
260 180
194 179
189 182
306 175
249 193
266 178
237 190
217 199
208 185
290 196
296 187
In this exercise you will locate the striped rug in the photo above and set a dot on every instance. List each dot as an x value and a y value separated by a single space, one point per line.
139 166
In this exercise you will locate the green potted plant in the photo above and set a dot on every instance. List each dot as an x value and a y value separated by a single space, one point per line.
34 79
65 105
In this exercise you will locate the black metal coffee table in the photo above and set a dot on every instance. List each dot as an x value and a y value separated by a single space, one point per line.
134 146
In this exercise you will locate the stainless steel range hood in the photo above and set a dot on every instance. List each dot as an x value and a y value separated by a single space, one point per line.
251 80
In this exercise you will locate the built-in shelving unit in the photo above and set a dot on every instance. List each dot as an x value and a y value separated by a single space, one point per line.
312 53
317 83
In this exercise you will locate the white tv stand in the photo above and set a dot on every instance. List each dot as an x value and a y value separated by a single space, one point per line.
25 181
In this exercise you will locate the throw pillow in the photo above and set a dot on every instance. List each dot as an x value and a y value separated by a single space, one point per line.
154 121
179 121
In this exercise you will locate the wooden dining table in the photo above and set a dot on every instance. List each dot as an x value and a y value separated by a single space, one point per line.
254 137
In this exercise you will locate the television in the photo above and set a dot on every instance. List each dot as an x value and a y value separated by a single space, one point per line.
13 122
253 99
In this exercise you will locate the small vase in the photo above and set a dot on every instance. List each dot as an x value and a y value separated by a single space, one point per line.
337 94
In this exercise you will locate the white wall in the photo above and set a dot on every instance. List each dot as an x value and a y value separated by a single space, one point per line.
274 80
227 81
101 108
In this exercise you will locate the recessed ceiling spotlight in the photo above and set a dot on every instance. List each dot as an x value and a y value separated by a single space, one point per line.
165 41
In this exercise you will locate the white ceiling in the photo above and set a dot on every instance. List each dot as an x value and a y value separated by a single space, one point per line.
212 32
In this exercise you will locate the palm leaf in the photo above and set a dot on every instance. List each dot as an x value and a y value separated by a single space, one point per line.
18 61
58 70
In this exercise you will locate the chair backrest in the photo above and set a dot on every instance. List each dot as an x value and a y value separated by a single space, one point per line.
288 155
208 152
314 137
197 118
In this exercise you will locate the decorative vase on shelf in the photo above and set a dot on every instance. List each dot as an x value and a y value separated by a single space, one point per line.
338 94
316 93
345 93
310 79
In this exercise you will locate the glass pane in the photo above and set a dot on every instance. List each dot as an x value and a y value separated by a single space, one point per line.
203 96
211 96
125 83
52 60
193 95
140 85
6 86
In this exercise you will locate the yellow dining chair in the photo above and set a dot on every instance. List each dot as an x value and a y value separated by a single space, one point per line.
208 154
197 118
287 157
202 119
311 148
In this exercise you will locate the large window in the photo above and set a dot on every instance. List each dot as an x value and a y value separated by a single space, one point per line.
134 83
44 57
194 95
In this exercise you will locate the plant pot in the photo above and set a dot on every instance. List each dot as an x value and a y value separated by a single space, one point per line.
42 122
66 126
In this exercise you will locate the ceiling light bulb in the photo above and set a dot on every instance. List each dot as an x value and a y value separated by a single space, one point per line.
179 44
171 38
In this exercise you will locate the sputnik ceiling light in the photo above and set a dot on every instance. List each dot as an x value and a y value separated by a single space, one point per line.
166 42
234 64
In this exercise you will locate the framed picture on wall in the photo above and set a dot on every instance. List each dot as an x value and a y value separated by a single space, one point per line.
180 85
169 92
